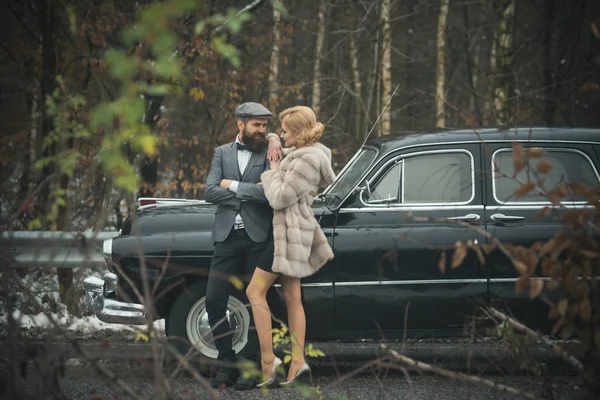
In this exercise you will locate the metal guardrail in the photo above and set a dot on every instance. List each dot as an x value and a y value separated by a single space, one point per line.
54 249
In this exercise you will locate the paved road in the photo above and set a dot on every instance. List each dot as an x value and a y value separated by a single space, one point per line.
127 361
367 386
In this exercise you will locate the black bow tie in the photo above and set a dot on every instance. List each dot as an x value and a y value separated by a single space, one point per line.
241 146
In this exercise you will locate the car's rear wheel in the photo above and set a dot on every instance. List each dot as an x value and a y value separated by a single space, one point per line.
187 322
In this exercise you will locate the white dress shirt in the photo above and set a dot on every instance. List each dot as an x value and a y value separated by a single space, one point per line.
243 157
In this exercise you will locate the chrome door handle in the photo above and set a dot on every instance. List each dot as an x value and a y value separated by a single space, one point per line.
505 218
468 217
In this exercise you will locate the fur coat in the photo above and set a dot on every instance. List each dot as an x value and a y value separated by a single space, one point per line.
301 248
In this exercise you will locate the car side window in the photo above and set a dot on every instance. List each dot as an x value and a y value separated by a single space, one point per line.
553 168
387 189
437 177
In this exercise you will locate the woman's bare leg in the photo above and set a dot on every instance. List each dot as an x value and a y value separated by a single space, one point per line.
257 295
297 321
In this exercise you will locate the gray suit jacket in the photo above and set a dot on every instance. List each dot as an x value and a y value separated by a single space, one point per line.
254 210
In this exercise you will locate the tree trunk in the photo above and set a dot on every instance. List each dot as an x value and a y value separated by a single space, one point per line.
356 87
149 167
504 50
440 97
549 88
372 82
274 64
46 22
472 58
316 93
386 67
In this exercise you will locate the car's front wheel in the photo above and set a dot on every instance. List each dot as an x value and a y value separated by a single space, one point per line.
187 322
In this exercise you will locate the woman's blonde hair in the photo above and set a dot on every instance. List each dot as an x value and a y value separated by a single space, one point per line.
302 121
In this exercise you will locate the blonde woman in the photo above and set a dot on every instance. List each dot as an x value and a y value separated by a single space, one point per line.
299 247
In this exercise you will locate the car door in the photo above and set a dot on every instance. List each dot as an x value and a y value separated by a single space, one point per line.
389 240
513 219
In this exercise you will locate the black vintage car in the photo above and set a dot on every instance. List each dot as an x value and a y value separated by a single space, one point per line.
389 215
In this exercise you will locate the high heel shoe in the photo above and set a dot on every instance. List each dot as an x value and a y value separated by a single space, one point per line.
276 363
304 370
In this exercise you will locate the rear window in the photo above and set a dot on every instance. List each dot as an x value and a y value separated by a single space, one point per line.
567 166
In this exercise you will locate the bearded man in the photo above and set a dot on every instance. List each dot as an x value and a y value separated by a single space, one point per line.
242 228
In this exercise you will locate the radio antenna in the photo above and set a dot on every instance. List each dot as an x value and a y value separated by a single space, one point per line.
380 114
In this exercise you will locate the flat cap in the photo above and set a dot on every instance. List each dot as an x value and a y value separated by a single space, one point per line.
252 110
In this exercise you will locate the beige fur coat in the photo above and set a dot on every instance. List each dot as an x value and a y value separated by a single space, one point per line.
301 248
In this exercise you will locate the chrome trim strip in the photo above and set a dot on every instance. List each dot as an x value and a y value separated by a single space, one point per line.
414 207
315 284
107 246
413 282
541 203
536 207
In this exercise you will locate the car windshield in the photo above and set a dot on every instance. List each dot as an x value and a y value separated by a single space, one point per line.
349 177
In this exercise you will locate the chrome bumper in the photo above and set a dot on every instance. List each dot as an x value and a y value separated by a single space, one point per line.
108 310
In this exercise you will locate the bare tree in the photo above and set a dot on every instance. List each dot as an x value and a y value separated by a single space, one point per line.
386 66
440 79
274 64
504 39
316 92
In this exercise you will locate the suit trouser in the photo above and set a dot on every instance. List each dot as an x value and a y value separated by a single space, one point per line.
236 256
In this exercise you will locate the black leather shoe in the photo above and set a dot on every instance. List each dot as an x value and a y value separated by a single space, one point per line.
245 383
226 376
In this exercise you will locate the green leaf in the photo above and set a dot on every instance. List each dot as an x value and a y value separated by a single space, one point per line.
122 66
148 145
168 67
72 13
227 50
164 43
128 182
278 5
287 359
134 34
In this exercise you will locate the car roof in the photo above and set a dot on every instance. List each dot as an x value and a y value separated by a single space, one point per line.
440 136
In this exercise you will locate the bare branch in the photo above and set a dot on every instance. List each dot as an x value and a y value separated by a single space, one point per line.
458 375
522 328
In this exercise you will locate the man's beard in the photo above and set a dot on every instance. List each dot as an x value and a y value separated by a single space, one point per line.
256 142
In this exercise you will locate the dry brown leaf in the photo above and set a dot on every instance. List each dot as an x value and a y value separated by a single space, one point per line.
521 267
524 189
543 212
459 255
585 310
563 306
544 166
442 263
521 284
480 255
531 260
518 158
558 325
547 267
567 331
535 152
489 247
535 287
579 188
548 246
573 310
552 285
571 280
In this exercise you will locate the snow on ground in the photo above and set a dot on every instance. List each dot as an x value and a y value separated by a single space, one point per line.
44 284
